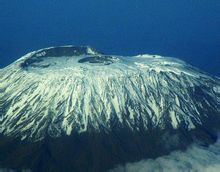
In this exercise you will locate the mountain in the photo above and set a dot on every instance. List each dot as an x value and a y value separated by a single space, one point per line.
73 108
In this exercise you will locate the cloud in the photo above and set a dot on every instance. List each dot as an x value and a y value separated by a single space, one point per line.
195 159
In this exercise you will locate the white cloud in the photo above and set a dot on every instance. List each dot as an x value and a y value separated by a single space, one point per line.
194 159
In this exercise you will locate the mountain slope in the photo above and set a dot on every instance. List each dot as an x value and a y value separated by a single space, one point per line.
77 95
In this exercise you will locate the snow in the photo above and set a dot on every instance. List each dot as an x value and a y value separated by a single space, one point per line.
69 93
90 51
173 119
154 107
217 89
177 100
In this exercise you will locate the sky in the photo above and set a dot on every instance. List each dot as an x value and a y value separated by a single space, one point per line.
186 29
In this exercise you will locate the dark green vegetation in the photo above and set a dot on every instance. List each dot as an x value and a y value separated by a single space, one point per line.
98 152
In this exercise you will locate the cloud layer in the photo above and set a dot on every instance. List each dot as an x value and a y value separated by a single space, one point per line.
194 159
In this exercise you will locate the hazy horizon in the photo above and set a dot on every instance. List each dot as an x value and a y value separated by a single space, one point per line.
186 29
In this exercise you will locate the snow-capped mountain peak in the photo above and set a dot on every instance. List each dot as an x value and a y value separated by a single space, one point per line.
61 90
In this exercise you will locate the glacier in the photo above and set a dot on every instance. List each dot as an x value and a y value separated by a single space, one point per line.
91 112
77 89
